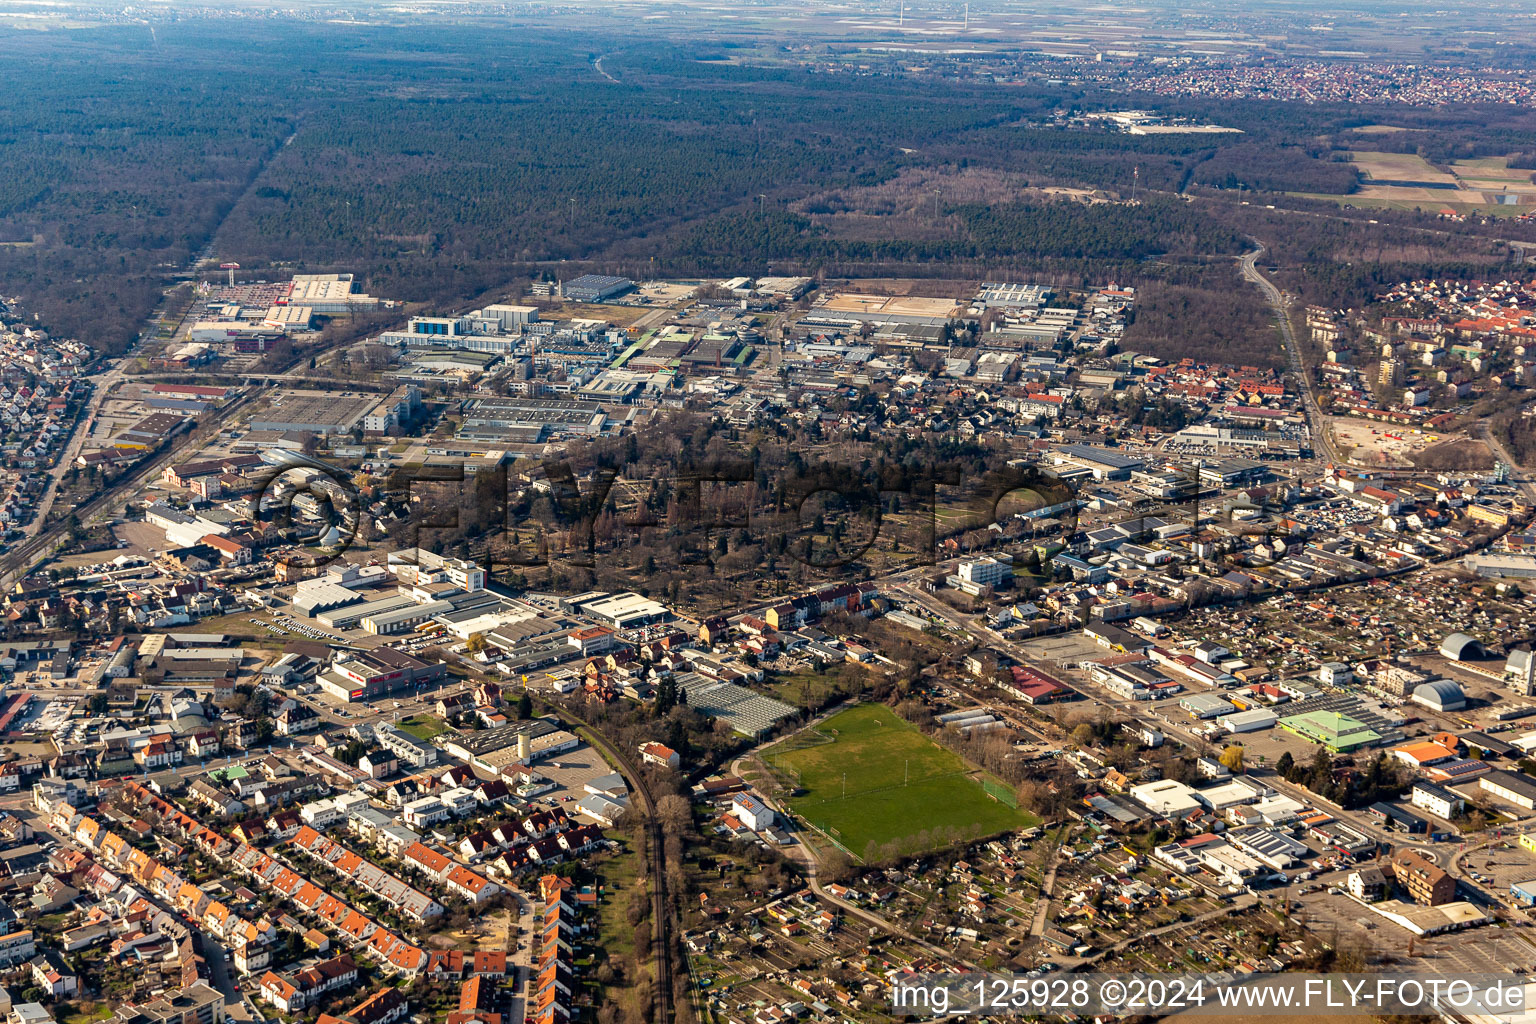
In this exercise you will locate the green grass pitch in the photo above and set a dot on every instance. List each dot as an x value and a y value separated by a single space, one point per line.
901 787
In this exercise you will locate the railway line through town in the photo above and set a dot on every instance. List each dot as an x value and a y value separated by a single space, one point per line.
1317 424
21 561
664 940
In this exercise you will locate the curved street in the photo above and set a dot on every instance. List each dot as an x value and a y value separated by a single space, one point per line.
1317 424
1517 476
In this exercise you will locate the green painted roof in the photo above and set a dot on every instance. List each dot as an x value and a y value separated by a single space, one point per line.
1331 728
626 355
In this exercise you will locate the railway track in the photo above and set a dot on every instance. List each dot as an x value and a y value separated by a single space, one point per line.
663 930
16 564
20 561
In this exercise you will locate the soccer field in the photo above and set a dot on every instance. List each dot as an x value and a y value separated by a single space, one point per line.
869 779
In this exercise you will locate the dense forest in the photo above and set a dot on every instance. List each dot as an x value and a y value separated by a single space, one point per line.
997 231
113 173
440 164
1251 165
1226 325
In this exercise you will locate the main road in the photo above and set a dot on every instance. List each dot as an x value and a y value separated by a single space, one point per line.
101 387
1316 423
1527 487
37 534
21 560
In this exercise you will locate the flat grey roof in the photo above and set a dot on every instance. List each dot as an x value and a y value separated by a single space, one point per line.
1102 456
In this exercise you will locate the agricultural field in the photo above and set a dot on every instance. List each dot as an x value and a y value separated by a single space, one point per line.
1408 181
1490 169
1498 182
1399 167
868 779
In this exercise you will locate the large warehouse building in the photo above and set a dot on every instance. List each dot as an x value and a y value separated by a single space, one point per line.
319 412
1461 647
1339 733
595 288
328 293
626 610
530 419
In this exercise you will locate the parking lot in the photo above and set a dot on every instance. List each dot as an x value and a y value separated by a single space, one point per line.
1070 648
1325 913
570 770
1498 868
1484 951
284 625
1334 515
